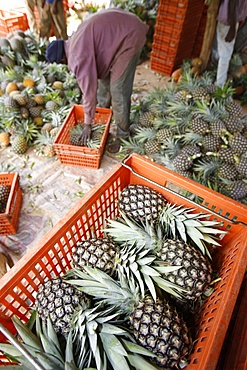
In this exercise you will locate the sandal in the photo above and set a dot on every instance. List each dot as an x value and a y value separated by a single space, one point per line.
114 146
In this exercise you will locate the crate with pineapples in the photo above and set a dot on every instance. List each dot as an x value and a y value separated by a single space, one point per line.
135 276
68 145
10 203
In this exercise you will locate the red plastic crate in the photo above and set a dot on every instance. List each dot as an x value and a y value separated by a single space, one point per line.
234 353
11 20
81 155
52 254
176 28
10 218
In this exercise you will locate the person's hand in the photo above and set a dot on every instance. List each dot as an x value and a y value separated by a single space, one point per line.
86 134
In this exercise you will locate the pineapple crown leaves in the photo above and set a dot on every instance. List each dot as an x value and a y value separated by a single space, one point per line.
207 167
123 294
144 134
99 331
44 346
28 129
133 145
178 221
178 107
139 261
43 138
225 93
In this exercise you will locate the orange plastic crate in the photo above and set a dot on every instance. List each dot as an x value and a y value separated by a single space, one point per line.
9 219
52 255
81 155
11 21
234 353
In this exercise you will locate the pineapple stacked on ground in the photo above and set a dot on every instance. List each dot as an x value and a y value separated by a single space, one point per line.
195 129
32 91
120 306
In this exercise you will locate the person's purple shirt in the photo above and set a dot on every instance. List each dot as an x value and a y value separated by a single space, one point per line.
241 12
108 38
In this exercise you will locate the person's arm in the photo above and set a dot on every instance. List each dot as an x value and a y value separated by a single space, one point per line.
232 19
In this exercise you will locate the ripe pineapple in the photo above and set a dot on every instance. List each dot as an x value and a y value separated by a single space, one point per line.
236 189
4 139
241 165
141 202
4 196
156 325
19 144
58 300
21 99
199 125
238 143
182 162
96 252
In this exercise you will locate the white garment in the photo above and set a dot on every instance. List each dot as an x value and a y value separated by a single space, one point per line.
225 50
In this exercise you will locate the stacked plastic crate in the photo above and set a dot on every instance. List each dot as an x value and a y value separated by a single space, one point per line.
200 33
175 32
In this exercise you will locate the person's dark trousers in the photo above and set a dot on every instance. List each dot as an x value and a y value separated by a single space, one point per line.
117 95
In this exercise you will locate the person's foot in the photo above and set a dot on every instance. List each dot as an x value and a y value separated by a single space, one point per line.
114 145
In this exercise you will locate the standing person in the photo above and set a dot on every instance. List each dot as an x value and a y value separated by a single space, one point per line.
30 11
53 13
230 13
103 54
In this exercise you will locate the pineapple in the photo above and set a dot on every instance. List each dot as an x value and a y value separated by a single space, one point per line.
19 144
58 300
97 252
210 143
241 165
44 144
235 189
163 134
182 162
21 99
4 139
146 119
228 171
238 143
151 147
156 325
226 155
141 202
199 125
4 196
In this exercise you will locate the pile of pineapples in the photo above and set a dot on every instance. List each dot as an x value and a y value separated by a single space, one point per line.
35 96
123 303
195 129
